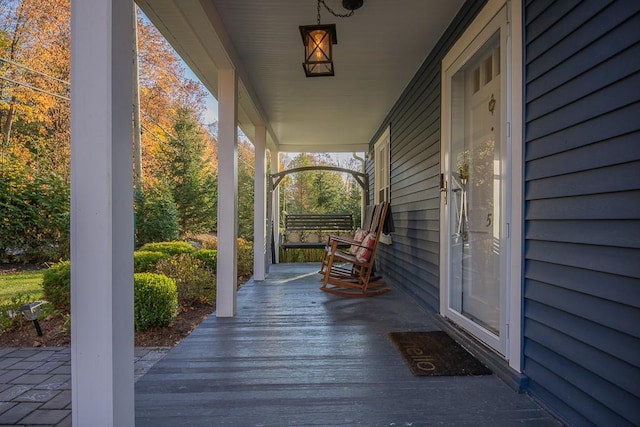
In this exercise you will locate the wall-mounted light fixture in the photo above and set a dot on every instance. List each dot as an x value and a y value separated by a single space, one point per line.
318 41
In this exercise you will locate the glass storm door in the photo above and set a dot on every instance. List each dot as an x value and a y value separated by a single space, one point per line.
474 175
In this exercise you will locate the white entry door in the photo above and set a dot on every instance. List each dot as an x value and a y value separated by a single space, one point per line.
474 165
475 182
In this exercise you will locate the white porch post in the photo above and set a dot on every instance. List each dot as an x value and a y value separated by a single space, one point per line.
275 206
101 214
227 193
260 204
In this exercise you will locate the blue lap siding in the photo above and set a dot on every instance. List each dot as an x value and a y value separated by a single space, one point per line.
582 209
581 278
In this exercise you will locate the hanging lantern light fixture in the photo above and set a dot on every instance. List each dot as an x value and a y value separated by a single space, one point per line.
319 39
318 53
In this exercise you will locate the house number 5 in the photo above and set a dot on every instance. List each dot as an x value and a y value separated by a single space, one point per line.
489 219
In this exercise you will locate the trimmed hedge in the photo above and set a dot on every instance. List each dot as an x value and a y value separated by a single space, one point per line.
208 258
155 300
145 261
56 286
169 248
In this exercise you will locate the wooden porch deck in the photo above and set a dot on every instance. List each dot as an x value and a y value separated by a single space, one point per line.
295 355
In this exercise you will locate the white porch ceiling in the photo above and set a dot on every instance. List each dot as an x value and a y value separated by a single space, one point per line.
379 49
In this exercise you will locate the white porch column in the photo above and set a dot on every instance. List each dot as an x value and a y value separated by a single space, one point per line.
227 193
260 204
275 206
101 213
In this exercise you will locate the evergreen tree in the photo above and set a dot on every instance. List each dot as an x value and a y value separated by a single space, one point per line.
192 181
156 217
329 192
34 215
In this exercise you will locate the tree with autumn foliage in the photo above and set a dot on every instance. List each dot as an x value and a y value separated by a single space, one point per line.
34 129
34 89
164 91
35 122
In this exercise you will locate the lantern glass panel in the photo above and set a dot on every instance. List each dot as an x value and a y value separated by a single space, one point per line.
318 46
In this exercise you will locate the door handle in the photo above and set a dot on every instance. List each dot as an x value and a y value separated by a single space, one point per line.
443 187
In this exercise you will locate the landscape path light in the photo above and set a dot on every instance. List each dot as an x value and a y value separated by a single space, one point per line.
31 312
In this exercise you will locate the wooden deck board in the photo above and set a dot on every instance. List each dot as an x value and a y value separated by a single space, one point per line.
294 355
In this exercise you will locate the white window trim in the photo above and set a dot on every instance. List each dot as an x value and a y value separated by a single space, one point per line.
382 179
382 176
514 107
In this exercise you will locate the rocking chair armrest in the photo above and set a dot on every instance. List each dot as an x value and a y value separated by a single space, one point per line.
342 240
333 247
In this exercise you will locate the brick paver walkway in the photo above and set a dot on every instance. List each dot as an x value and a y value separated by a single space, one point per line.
35 384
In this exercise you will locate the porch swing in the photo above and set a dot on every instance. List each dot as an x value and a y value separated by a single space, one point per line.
310 230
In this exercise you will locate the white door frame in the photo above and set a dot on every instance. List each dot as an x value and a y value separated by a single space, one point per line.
511 56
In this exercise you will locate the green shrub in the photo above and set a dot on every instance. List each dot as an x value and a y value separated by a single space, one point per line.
169 248
34 223
155 300
196 284
245 258
156 216
208 258
145 261
56 286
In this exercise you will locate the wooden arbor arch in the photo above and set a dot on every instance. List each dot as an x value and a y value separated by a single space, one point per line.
276 178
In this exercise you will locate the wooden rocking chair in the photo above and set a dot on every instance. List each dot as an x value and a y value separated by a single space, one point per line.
359 280
368 226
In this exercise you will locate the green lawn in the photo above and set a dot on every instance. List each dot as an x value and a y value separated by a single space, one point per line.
21 283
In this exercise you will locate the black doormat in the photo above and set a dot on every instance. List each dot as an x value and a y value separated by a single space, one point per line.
436 354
